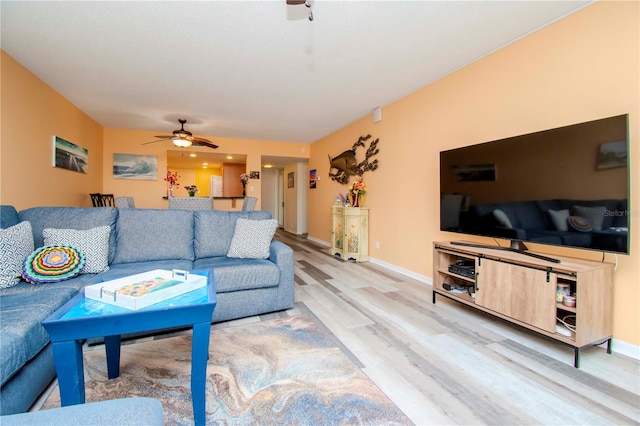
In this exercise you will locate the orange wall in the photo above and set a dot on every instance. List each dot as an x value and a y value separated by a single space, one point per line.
32 113
148 194
581 68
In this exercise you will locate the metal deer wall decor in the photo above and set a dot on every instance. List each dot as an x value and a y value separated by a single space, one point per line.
345 165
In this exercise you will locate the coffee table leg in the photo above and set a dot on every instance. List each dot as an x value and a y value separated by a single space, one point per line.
112 347
199 357
70 370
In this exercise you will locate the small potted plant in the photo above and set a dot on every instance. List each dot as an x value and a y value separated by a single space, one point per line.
357 192
191 189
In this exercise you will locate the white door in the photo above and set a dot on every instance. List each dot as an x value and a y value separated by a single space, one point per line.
280 205
216 186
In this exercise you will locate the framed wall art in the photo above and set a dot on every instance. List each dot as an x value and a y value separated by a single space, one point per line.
137 167
612 155
313 178
290 180
70 156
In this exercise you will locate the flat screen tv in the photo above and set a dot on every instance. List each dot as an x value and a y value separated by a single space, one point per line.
567 186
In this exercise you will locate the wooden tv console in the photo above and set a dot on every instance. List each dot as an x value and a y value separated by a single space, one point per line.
522 290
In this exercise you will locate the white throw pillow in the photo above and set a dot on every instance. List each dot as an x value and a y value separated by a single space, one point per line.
559 219
502 218
16 244
94 243
252 238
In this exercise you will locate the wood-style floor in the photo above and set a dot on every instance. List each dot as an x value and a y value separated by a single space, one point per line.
445 363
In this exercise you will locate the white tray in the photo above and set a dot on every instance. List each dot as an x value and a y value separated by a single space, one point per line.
142 290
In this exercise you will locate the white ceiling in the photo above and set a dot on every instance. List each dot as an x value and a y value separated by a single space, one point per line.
255 69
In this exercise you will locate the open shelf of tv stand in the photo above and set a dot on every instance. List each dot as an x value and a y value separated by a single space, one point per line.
522 290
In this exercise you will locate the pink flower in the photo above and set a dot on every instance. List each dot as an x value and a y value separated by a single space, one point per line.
172 178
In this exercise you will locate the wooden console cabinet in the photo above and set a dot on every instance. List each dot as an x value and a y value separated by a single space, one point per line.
522 289
350 233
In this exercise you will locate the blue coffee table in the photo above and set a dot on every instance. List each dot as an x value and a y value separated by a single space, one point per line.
82 318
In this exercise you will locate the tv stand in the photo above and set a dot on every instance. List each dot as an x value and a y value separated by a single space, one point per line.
522 290
516 247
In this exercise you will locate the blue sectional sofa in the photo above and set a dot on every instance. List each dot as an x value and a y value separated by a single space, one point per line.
604 223
139 240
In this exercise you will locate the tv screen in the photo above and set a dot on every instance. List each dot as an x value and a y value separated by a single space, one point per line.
567 186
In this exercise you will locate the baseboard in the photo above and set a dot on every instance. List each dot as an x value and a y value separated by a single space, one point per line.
617 346
317 241
418 277
626 349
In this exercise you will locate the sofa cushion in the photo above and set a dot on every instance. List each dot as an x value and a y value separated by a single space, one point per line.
16 243
214 230
252 238
22 333
240 274
8 216
50 264
153 234
124 269
94 243
70 218
77 283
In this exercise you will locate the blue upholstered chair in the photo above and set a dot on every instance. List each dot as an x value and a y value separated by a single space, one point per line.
249 203
125 203
191 203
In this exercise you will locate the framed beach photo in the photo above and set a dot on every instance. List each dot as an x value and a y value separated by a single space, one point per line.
67 155
475 172
612 155
136 167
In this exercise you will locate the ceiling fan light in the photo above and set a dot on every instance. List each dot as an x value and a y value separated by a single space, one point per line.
183 143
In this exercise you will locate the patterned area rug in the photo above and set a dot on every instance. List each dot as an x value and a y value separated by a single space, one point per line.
281 371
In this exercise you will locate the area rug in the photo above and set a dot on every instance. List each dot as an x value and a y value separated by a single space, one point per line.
284 371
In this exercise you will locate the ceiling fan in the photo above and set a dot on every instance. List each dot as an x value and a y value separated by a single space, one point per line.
184 138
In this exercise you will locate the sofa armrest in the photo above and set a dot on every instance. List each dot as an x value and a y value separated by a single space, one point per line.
282 255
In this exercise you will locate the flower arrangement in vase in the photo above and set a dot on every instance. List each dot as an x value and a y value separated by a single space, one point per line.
191 189
357 192
243 179
172 179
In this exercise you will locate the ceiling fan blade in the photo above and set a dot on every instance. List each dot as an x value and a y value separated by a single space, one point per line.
183 138
295 2
165 138
196 139
204 142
